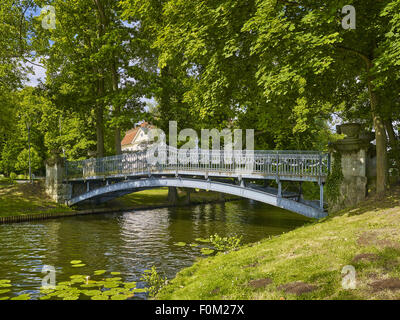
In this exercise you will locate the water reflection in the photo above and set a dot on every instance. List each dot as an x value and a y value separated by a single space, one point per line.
130 243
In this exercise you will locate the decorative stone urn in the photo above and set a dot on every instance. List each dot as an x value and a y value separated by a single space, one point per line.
351 130
353 152
92 154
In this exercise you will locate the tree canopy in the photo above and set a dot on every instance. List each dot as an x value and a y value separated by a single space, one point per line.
284 68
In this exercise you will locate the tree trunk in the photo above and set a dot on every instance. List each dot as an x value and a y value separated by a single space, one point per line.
381 142
117 110
100 131
100 120
394 144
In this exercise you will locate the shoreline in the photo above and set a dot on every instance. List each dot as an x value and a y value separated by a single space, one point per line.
306 263
48 216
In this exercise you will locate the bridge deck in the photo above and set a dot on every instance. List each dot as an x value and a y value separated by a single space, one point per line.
267 165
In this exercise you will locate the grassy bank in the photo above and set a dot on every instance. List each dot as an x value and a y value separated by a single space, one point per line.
307 263
27 199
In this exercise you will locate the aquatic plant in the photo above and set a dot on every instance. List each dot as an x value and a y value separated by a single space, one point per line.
154 281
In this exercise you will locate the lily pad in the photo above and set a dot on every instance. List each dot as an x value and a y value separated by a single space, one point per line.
71 298
4 298
111 285
100 297
207 251
5 285
130 285
4 291
5 281
114 279
115 273
119 297
194 244
180 244
78 265
22 297
99 272
202 240
76 261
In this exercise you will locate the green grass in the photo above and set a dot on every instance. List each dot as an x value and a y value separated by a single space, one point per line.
158 197
26 199
314 254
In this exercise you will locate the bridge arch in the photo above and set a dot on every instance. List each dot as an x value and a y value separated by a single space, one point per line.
131 186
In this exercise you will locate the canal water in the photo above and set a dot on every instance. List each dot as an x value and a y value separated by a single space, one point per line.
131 242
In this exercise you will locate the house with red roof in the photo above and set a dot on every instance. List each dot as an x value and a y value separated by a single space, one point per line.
137 139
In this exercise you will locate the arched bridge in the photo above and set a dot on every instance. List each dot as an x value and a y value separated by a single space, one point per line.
243 174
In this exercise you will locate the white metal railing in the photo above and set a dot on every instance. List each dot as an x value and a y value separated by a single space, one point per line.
302 165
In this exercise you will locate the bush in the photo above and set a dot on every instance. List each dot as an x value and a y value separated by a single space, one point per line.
154 281
225 243
13 176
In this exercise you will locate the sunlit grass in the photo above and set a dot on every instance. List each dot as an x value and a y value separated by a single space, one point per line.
314 254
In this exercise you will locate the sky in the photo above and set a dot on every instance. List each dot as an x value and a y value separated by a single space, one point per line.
39 74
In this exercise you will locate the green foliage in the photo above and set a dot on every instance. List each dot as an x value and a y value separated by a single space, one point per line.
13 176
225 243
335 179
22 164
155 282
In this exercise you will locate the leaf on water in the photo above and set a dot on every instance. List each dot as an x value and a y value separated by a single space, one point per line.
78 265
45 297
141 290
101 297
114 279
115 273
5 285
130 285
202 240
71 298
207 251
4 298
119 297
99 272
5 281
76 261
111 285
22 297
90 285
5 291
194 244
180 244
91 293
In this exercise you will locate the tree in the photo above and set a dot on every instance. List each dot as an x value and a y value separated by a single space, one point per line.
89 65
304 48
22 163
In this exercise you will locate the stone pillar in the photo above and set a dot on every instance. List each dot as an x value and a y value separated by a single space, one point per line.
172 195
353 151
55 188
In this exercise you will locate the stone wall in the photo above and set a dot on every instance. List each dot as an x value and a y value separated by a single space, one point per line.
55 188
